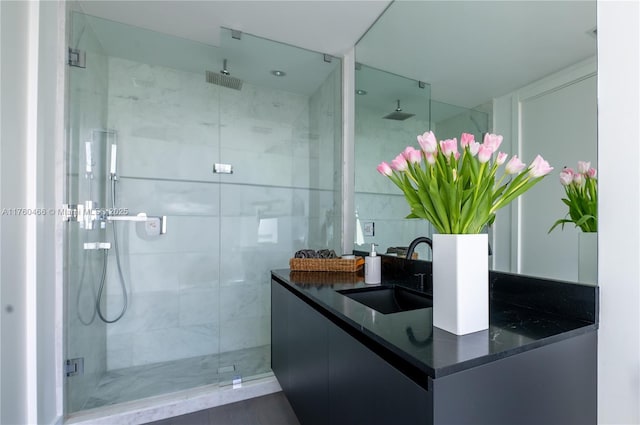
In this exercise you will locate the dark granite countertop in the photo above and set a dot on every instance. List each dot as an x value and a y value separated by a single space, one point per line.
525 313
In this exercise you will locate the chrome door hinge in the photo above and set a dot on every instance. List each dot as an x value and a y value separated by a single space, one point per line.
73 367
77 58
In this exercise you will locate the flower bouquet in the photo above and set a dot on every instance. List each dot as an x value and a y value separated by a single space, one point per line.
581 188
459 192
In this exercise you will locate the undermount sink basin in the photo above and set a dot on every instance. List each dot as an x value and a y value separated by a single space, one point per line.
389 299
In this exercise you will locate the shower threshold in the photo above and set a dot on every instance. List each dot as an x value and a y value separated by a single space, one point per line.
139 382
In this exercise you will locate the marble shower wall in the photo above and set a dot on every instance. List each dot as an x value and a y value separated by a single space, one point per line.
203 287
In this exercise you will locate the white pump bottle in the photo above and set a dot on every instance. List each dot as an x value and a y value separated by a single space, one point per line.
372 267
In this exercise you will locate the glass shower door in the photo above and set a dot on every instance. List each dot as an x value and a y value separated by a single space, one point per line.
163 121
281 133
197 297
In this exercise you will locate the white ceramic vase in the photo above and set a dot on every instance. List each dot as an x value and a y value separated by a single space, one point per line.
460 283
588 258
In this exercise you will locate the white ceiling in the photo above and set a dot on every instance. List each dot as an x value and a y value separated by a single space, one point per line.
323 26
469 51
472 51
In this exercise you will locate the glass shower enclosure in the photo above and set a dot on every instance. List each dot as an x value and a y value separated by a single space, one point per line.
192 171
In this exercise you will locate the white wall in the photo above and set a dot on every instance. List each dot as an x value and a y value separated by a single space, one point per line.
13 125
31 125
619 209
556 118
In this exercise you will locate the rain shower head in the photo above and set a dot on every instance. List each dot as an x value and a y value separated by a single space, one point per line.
398 115
223 78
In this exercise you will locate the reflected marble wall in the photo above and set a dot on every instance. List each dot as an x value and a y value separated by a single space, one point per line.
377 199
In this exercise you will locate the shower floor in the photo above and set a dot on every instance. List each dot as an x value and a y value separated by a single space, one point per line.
133 383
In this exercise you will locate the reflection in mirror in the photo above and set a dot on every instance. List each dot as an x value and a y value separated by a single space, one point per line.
382 132
528 74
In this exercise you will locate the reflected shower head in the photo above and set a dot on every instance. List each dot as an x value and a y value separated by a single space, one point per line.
398 115
223 78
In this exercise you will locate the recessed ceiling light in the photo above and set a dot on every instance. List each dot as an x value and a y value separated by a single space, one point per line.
361 92
278 73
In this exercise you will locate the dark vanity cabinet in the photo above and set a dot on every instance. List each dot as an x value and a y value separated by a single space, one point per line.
333 373
331 378
299 355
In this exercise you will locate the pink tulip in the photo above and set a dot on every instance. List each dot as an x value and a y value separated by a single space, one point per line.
431 158
501 158
384 169
583 167
428 142
474 147
592 173
449 147
514 166
399 163
484 154
493 141
578 179
566 176
465 139
539 167
412 155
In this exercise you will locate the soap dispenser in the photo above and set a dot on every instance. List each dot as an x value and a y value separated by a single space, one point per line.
372 267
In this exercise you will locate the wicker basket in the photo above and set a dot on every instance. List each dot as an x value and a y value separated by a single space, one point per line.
326 264
307 278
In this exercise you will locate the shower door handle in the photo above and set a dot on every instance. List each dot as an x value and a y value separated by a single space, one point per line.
141 218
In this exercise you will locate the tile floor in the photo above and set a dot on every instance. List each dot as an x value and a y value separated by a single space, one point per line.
272 409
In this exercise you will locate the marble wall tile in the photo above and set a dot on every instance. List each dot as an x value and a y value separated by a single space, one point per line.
199 270
145 272
161 197
120 351
377 199
241 333
386 206
380 140
184 234
240 300
175 343
146 311
149 158
199 306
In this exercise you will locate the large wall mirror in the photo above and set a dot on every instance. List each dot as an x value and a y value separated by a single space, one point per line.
523 69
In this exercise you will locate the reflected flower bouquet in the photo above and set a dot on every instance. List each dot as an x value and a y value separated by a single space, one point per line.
458 192
581 188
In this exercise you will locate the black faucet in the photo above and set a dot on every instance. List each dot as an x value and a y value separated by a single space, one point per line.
415 242
421 239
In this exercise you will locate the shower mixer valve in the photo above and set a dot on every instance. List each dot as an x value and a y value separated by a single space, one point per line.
90 217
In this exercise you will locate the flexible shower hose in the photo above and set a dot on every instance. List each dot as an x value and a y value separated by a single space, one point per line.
104 269
82 285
